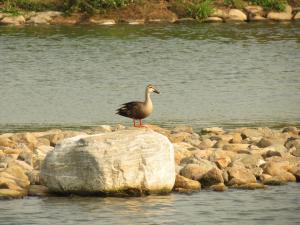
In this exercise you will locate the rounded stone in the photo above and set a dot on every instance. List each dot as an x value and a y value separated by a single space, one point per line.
131 162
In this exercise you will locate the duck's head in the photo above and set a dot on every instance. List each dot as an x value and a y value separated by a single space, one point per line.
150 88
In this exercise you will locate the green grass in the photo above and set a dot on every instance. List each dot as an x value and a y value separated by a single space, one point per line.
9 7
238 4
200 9
94 6
88 6
278 5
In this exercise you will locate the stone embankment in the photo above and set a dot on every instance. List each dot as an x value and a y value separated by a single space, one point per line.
214 159
249 13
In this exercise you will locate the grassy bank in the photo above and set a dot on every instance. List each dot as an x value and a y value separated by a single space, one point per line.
194 8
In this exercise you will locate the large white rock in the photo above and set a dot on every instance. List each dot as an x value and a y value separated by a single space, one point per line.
135 162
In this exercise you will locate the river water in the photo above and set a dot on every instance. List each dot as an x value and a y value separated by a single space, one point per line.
274 206
224 75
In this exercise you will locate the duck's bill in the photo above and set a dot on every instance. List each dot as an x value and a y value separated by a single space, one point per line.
156 91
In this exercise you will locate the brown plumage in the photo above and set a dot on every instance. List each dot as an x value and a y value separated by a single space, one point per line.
138 110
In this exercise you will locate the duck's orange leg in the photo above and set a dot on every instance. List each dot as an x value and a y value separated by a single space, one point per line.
134 123
141 124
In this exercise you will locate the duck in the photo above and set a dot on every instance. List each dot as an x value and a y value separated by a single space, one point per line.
137 110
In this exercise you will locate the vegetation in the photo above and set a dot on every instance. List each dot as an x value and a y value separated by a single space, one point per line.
94 6
89 6
278 5
238 4
200 9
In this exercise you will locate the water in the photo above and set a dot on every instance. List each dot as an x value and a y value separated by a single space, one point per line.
225 75
275 206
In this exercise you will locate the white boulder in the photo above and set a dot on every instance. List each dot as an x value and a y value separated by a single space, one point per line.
134 162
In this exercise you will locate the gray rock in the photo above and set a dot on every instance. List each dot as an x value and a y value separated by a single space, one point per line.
122 162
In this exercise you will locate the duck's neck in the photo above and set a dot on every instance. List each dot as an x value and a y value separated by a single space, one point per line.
147 98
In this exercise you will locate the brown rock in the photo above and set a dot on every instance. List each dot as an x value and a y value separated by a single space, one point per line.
6 183
212 177
257 18
239 148
292 130
26 155
213 130
236 138
281 16
206 143
67 20
274 181
54 138
6 142
249 161
218 187
185 183
13 20
220 144
296 152
236 15
297 16
17 174
250 186
10 194
38 190
213 19
279 169
186 129
254 10
43 141
197 169
202 154
34 177
222 163
264 142
222 13
271 153
12 151
239 175
250 133
23 165
292 142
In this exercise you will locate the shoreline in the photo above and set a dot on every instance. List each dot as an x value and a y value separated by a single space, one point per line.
213 159
156 14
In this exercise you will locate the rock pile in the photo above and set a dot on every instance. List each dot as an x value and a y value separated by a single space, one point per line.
213 159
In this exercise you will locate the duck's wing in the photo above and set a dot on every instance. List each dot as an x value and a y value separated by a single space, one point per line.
129 109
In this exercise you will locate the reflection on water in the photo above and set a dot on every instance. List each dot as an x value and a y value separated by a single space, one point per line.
275 205
227 75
